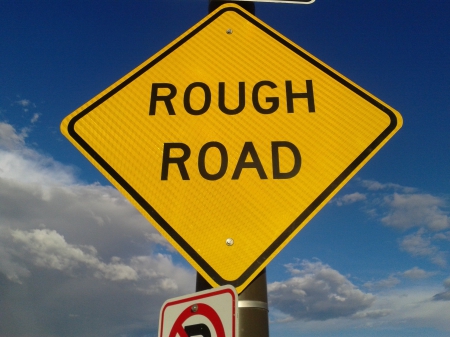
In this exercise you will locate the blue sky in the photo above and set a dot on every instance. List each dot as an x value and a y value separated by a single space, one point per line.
76 259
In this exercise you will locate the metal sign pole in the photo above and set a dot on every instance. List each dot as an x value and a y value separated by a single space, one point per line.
253 307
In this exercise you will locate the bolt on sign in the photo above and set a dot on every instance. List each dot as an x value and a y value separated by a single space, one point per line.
229 140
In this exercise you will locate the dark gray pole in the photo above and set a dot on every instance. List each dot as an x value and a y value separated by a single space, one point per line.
253 308
249 6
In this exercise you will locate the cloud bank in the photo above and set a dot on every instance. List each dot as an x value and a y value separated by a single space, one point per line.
76 259
317 292
416 210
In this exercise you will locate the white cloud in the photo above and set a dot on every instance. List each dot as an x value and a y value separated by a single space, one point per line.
372 185
277 316
21 165
417 274
23 102
442 236
412 307
80 253
373 314
14 271
26 167
35 118
417 244
9 138
350 198
160 240
405 211
48 249
416 210
317 292
390 282
392 311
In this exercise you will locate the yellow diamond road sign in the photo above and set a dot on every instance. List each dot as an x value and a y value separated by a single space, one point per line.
230 140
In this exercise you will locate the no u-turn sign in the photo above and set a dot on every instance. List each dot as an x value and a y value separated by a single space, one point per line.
210 313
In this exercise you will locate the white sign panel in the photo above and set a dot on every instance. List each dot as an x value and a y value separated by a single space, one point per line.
209 313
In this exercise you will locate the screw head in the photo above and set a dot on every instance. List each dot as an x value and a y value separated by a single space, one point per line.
194 308
229 242
229 31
